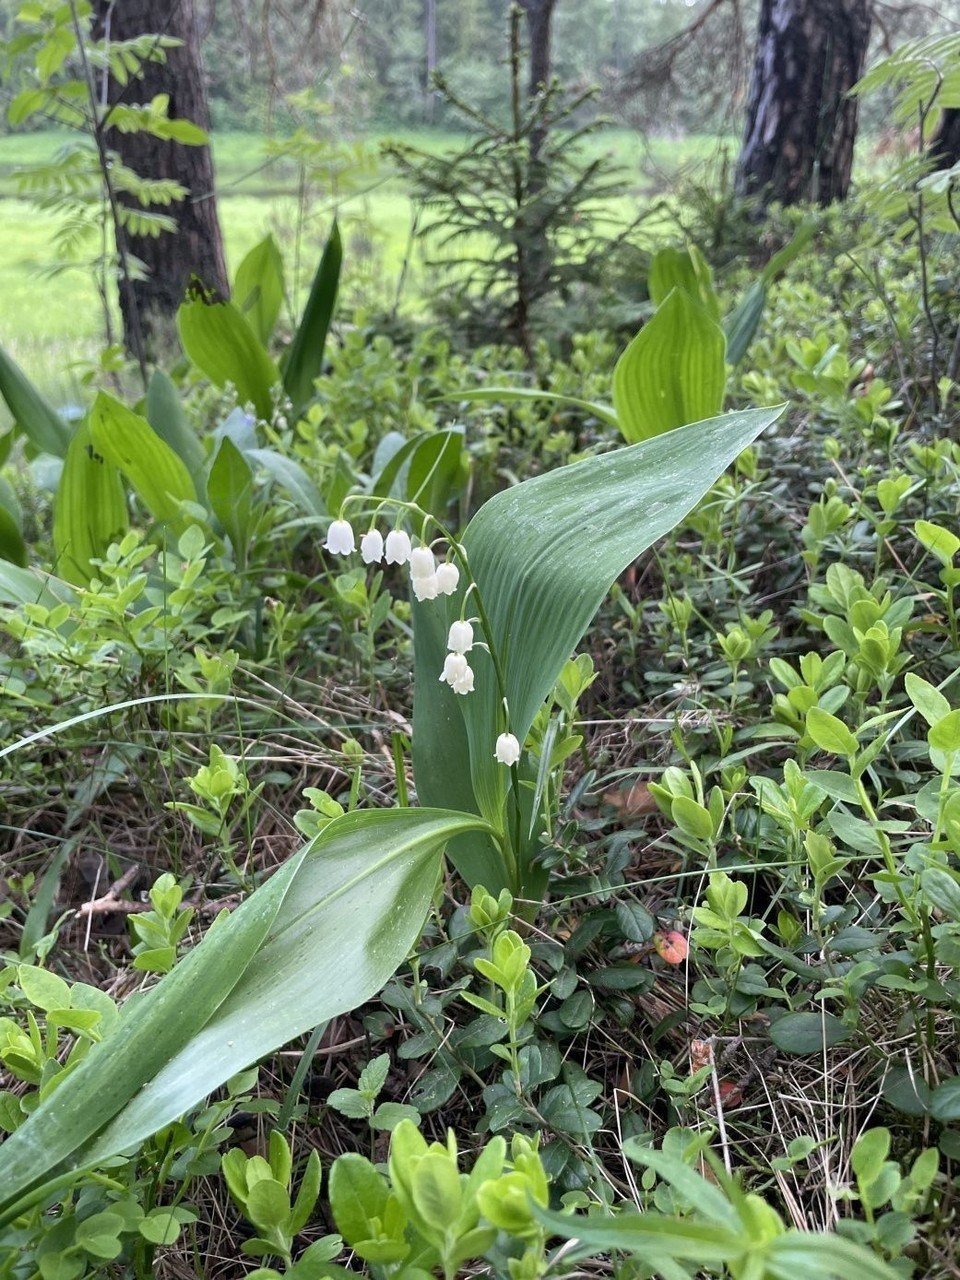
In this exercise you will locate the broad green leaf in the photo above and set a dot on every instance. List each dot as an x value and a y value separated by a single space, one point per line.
38 421
543 554
220 342
258 287
321 936
154 1028
165 414
672 373
90 509
304 362
128 441
230 493
808 1032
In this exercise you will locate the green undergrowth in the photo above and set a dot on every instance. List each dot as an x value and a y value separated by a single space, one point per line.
706 1021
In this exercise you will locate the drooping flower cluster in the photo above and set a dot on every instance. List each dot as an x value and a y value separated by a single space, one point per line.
427 578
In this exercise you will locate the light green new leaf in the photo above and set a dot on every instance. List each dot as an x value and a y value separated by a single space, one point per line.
128 441
544 554
221 343
90 509
672 373
258 287
321 936
304 362
683 269
39 422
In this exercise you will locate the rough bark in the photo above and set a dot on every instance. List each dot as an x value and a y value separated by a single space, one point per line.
944 146
801 124
197 246
538 14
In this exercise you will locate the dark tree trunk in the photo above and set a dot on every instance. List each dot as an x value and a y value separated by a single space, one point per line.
944 147
801 123
197 246
539 13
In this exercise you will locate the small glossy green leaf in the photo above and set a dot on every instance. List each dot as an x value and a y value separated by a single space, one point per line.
358 1194
945 734
672 373
927 698
938 541
830 734
804 1033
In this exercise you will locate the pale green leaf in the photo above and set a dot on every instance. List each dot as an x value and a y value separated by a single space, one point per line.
128 441
90 509
220 342
673 372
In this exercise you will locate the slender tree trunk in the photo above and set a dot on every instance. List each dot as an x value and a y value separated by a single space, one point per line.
539 14
197 246
801 123
944 146
430 33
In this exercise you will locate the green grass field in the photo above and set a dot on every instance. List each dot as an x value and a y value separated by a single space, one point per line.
51 317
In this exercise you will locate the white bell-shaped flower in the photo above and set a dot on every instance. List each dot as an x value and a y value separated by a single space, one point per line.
460 637
507 750
340 540
448 576
426 588
398 547
371 546
457 673
423 564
